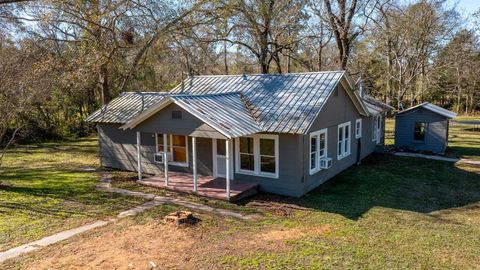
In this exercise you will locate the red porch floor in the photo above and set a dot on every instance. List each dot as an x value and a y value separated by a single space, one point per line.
207 186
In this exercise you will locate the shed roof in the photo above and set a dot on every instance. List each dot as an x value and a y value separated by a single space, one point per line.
433 108
282 103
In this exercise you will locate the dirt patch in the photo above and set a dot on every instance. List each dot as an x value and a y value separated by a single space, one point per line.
157 245
132 248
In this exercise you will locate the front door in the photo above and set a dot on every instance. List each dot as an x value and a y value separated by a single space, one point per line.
219 158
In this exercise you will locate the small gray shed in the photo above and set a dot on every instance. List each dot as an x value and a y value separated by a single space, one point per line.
423 128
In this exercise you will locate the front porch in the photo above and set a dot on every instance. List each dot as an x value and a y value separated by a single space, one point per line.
207 186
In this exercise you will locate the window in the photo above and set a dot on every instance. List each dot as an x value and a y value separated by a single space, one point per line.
177 146
318 149
247 155
343 140
177 115
257 155
419 132
358 128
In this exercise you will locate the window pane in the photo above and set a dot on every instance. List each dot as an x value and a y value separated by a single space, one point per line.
322 141
246 162
246 145
419 131
340 133
347 131
221 147
179 140
340 148
159 142
347 142
179 154
313 160
313 144
267 147
267 164
322 153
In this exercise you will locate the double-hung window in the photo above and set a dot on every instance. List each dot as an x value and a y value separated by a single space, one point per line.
358 128
344 142
257 155
318 149
177 146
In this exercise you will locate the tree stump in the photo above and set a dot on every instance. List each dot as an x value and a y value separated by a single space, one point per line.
180 217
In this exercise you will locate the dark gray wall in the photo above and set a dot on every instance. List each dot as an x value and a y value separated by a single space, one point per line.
435 131
189 125
289 181
118 149
338 109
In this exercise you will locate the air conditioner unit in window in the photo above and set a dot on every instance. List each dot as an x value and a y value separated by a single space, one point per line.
325 163
159 157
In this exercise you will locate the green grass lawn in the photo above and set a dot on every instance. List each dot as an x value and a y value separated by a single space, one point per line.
464 140
45 189
389 213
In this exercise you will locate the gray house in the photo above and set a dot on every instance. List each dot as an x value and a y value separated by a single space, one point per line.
423 128
227 136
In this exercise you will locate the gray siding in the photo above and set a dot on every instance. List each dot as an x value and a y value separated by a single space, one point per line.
338 109
289 181
118 150
435 131
189 125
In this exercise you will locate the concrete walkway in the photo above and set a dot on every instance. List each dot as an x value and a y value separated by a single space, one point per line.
440 158
105 185
14 252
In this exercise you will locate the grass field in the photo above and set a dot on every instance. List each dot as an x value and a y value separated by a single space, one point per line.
45 189
464 140
389 213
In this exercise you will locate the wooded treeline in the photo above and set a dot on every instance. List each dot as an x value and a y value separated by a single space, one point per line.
61 60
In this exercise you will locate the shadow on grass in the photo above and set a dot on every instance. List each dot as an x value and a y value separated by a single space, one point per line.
460 151
403 183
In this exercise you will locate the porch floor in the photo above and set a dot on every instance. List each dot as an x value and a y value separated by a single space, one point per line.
207 186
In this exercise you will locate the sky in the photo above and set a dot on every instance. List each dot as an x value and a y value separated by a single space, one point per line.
466 7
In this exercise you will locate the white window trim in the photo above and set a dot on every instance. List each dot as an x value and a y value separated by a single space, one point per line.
359 133
344 154
256 156
173 163
317 165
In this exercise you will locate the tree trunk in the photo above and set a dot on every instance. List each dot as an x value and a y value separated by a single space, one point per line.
104 85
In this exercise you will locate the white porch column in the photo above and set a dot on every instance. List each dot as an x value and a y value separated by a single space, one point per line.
165 158
194 154
227 166
139 156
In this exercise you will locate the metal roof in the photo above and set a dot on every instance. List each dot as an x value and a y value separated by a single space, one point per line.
227 112
374 106
283 103
125 107
433 108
